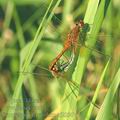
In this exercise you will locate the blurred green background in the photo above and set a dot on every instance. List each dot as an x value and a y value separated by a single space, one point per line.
41 93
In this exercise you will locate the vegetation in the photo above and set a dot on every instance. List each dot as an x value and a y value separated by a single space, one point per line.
32 34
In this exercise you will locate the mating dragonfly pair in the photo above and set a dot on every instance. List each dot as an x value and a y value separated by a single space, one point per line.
57 66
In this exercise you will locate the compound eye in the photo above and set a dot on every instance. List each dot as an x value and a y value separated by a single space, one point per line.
81 23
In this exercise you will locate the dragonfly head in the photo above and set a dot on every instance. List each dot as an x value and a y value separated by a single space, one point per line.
81 24
57 69
53 69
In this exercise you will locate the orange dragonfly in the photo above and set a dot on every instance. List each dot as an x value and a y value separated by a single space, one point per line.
58 65
71 43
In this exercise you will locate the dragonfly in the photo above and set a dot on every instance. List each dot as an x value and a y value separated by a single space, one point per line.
70 43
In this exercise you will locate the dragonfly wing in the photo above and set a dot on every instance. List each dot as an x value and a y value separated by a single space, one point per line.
98 48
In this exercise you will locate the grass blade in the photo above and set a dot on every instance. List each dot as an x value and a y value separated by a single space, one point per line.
97 91
91 11
105 112
28 58
69 106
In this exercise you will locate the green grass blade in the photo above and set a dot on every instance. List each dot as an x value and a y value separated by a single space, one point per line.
67 11
8 14
69 106
33 90
84 55
20 34
105 112
99 15
91 11
97 91
28 58
79 70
